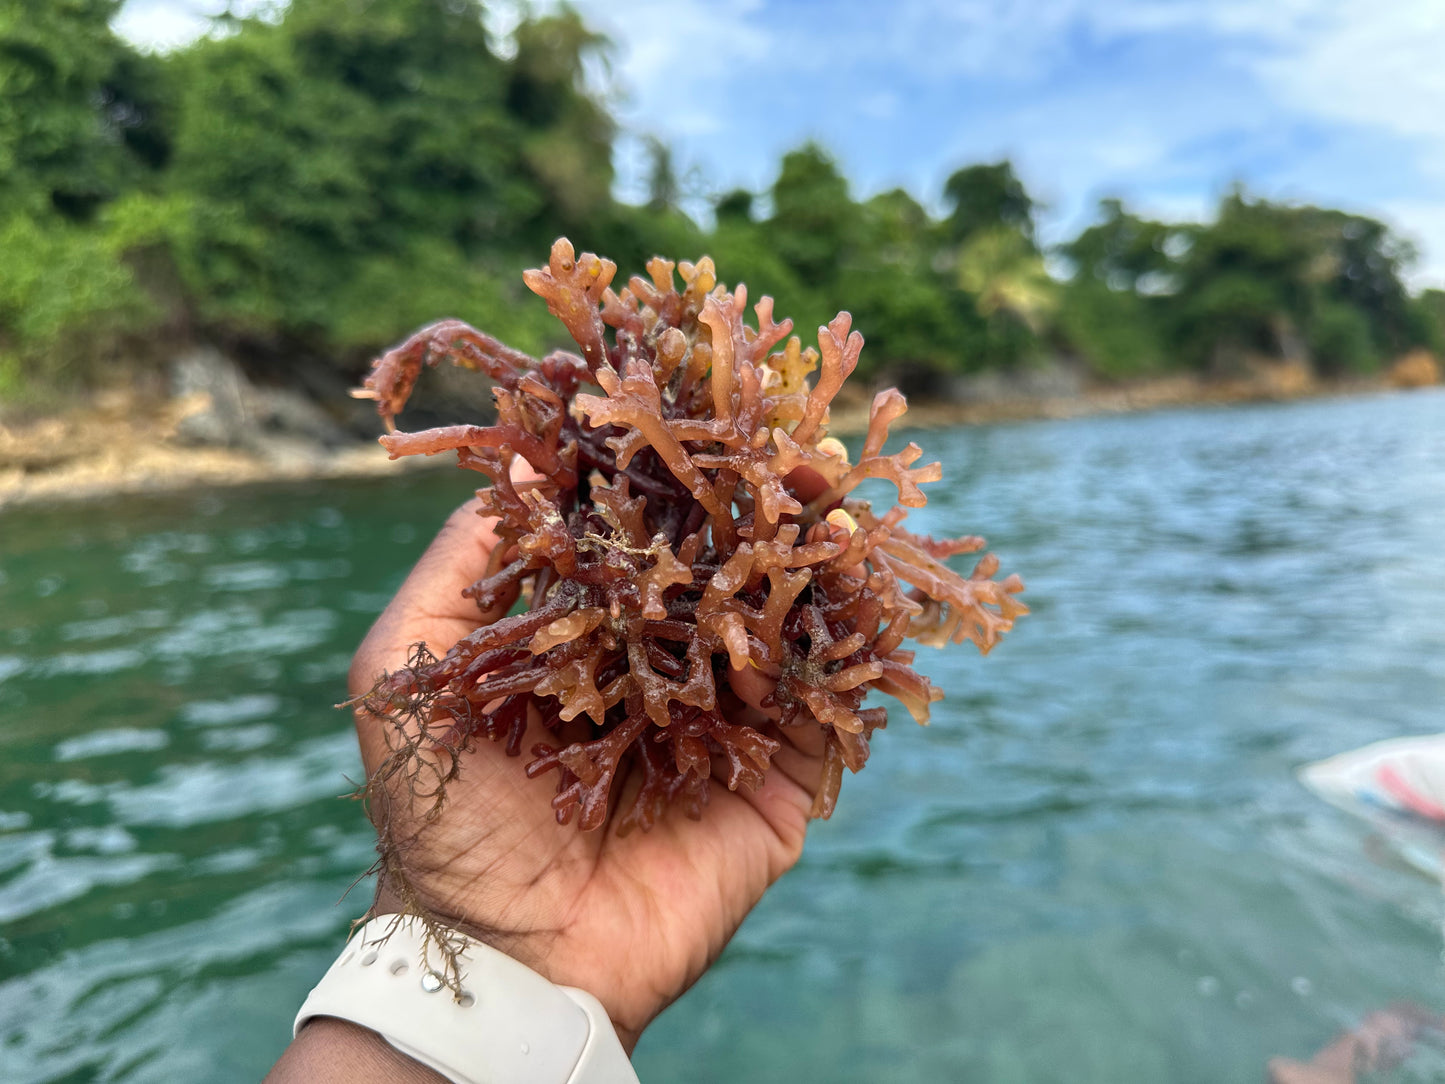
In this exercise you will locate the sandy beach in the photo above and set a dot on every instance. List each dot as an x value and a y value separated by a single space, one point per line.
119 444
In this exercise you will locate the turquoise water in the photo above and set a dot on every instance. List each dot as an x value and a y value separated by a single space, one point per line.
1096 865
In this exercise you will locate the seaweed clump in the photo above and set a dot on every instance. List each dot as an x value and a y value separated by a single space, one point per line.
685 515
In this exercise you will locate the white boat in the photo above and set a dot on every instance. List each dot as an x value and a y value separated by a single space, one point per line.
1399 787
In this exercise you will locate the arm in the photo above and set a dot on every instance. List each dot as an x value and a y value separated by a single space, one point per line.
634 920
1381 1042
331 1049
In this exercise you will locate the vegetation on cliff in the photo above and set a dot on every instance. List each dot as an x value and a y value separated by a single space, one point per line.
297 188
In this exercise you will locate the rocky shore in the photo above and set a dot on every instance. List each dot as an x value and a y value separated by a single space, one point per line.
216 428
211 427
117 448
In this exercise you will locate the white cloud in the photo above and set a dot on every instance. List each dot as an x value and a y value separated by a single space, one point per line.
1017 40
169 24
843 71
1423 223
1378 65
163 24
675 57
1359 63
1358 60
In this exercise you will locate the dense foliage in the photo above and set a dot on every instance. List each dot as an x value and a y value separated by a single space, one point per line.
308 184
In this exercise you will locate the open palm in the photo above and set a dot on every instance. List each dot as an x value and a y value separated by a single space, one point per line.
633 920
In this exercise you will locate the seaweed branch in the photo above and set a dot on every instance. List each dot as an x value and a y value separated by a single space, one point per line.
694 519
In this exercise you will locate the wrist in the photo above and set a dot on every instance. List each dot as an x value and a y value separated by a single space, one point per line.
494 1020
535 951
328 1048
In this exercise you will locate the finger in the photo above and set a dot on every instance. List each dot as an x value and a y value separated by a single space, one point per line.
789 787
457 558
806 484
429 607
752 685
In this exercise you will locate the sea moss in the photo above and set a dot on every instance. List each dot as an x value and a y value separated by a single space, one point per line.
691 519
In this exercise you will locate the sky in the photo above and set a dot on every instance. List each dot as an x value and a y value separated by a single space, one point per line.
1163 103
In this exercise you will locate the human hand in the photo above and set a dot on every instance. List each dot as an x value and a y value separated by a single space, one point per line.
1383 1040
634 920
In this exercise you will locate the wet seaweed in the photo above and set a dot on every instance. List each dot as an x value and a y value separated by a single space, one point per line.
671 510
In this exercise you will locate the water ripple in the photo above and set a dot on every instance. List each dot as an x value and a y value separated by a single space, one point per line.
1096 863
69 663
191 794
102 743
48 881
238 709
246 576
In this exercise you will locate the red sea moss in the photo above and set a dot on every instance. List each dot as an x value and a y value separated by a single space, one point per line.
692 518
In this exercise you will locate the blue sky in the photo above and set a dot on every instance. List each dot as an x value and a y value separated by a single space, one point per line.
1161 102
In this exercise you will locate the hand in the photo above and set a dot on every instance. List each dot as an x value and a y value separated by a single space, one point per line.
1382 1041
634 920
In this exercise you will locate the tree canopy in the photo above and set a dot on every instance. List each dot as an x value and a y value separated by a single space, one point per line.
313 184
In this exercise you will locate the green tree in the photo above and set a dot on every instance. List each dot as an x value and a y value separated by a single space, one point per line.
1122 250
81 122
898 301
78 107
1339 339
68 304
1427 320
315 182
735 205
1002 296
1111 311
1006 276
1285 281
664 191
983 197
567 147
1117 333
1363 264
359 155
813 224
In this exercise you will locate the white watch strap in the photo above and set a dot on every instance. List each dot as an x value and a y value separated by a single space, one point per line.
511 1025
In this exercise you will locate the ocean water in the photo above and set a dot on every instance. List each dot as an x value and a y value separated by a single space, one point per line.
1095 865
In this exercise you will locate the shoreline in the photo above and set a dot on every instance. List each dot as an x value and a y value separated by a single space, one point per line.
120 447
1181 392
162 470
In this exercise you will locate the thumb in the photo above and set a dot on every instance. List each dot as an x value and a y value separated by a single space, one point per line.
429 607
